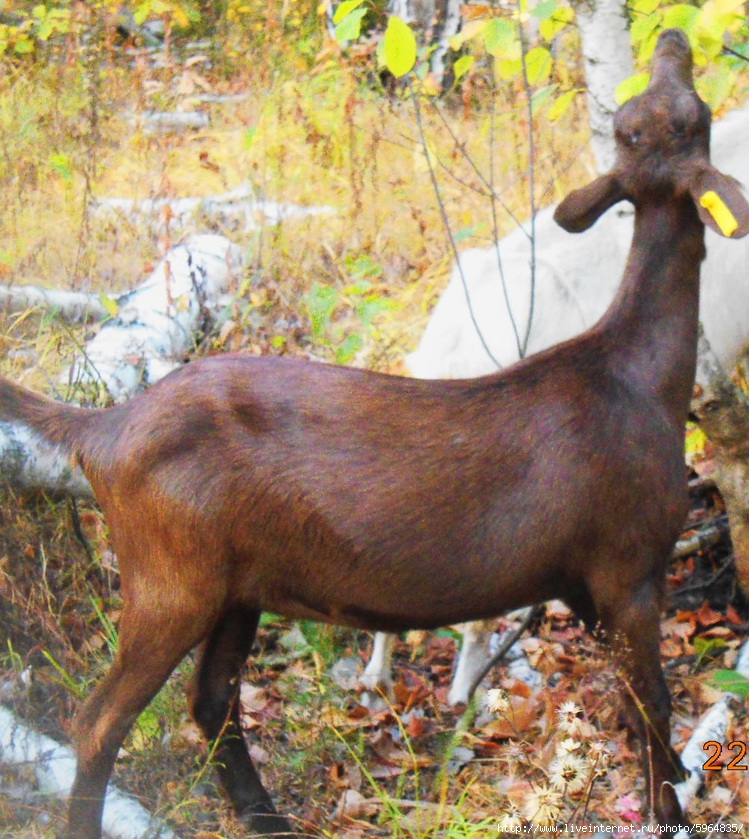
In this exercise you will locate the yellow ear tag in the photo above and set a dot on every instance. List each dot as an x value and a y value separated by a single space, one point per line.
717 208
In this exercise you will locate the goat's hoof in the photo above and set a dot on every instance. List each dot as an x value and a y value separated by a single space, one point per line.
670 811
263 820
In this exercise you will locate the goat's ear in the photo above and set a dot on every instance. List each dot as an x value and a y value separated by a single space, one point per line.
582 207
720 203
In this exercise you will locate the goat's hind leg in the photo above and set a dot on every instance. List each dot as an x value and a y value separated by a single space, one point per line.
215 706
633 627
151 645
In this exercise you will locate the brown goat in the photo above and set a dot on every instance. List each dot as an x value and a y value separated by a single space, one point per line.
238 485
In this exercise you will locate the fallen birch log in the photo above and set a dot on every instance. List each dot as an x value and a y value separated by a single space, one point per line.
155 324
170 122
152 331
54 767
72 306
239 208
713 726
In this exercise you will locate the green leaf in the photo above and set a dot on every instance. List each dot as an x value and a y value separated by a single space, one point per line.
708 647
472 29
509 69
562 104
371 307
321 303
633 86
643 27
732 682
465 233
61 164
400 47
545 9
463 65
348 348
501 39
141 13
541 96
110 305
349 28
345 9
363 266
146 729
538 65
715 19
551 27
680 16
716 86
24 46
644 7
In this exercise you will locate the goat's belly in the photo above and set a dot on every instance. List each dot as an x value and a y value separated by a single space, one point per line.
397 608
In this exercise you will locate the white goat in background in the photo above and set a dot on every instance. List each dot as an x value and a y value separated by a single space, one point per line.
575 281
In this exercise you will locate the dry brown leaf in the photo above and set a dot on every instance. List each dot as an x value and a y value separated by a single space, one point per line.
353 805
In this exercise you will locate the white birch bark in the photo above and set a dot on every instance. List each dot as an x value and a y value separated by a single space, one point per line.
72 306
713 726
54 767
156 323
154 329
723 413
607 58
238 209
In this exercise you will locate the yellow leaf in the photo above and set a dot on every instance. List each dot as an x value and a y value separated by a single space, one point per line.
399 47
630 87
501 39
538 65
470 30
562 104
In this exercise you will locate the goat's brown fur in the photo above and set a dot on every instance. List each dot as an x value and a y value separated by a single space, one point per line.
238 485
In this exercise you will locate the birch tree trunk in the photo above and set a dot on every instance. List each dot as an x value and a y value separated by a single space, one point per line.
607 58
723 413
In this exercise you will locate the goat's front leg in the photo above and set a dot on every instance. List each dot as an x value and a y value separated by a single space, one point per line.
215 706
633 626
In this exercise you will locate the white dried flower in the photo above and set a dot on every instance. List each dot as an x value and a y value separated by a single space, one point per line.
569 773
511 821
568 746
543 806
569 718
498 701
599 757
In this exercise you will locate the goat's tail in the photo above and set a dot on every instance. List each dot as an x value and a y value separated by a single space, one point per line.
57 422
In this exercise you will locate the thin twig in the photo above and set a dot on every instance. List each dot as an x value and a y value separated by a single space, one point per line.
531 614
531 183
78 529
446 223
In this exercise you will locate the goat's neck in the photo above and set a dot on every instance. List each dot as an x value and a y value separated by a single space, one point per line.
653 319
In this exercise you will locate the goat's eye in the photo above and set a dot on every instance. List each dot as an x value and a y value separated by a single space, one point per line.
633 138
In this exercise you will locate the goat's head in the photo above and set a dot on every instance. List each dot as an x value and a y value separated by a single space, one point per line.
663 152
